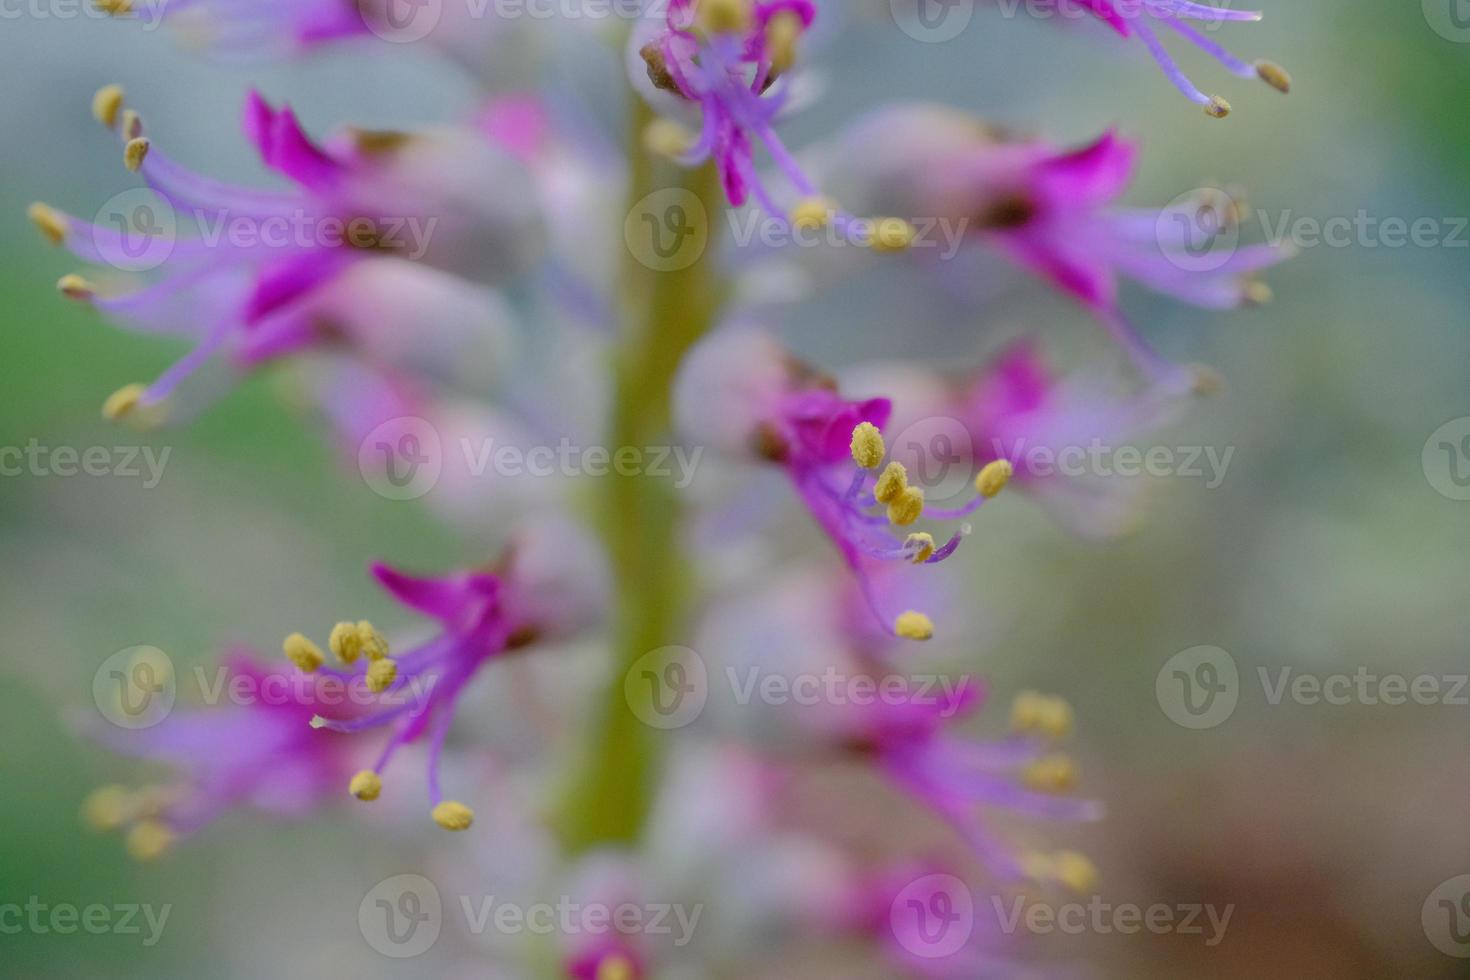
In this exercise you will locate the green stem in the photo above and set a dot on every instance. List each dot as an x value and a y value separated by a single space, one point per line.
663 314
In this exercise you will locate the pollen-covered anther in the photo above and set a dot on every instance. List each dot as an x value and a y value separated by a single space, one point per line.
893 481
73 286
117 8
1051 774
48 221
132 124
724 16
812 214
913 625
136 152
1074 870
783 31
374 644
1254 292
366 785
907 507
1217 107
615 967
452 815
667 138
149 840
1041 714
867 446
893 235
107 807
1273 75
306 655
381 674
993 477
921 545
345 642
128 403
106 104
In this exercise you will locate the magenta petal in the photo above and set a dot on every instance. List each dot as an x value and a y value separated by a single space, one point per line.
1094 175
454 599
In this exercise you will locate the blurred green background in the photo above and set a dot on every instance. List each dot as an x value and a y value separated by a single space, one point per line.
1326 549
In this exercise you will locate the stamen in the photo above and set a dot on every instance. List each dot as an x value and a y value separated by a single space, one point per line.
893 481
135 153
345 642
892 235
51 222
993 477
1217 108
107 808
453 816
667 138
724 16
1041 714
73 286
305 654
148 841
1274 75
106 103
381 674
913 625
782 33
1051 774
117 8
867 446
373 642
127 403
366 785
812 214
1256 293
907 507
921 544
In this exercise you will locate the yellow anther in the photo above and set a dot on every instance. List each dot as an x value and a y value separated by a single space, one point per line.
667 138
366 785
1217 108
615 967
106 103
867 446
893 481
1205 380
345 642
892 235
1256 293
921 543
132 124
1042 714
116 8
724 16
812 214
1274 75
453 816
148 841
1051 774
303 653
381 674
107 808
73 286
1075 871
913 625
317 721
122 401
907 507
373 642
136 152
782 32
49 221
993 477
